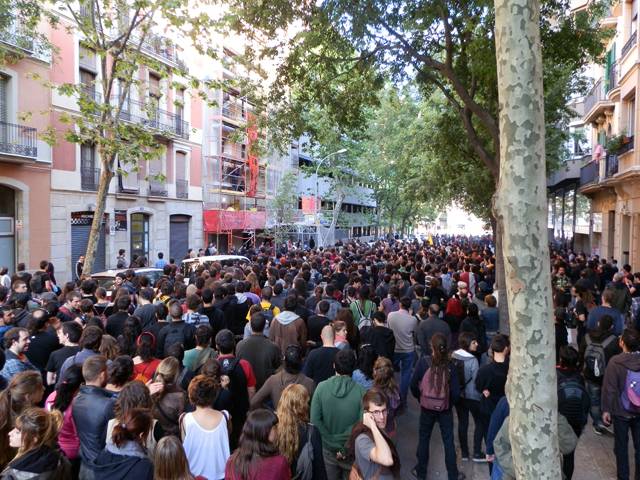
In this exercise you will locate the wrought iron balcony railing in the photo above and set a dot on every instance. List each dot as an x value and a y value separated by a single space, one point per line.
182 189
89 178
154 118
18 140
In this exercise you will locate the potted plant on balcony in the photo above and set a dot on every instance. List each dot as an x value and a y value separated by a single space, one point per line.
615 143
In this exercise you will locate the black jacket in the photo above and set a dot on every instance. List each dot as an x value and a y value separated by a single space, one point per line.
118 464
43 463
381 339
92 410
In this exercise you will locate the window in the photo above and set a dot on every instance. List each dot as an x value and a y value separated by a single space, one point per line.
634 17
4 98
631 116
140 235
182 185
87 71
89 174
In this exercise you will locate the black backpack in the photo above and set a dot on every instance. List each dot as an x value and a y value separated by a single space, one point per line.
574 402
595 359
176 334
304 465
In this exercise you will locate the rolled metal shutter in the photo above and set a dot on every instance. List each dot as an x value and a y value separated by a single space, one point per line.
178 236
79 240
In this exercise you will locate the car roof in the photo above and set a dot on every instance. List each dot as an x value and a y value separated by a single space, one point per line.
215 258
113 273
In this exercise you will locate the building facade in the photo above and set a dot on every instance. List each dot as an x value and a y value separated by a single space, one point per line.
143 215
611 179
25 160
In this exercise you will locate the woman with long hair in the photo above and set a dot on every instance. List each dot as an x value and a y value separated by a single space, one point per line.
294 431
255 286
34 435
130 332
257 455
169 400
435 384
61 399
109 347
204 432
385 382
353 334
170 462
124 456
144 362
25 390
375 456
134 395
363 375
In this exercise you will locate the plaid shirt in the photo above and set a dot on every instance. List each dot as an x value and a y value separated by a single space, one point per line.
14 365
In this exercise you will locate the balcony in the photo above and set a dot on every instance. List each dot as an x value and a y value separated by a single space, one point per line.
234 111
629 44
89 178
627 146
18 142
182 189
157 188
589 173
23 43
566 173
611 165
163 48
147 115
596 103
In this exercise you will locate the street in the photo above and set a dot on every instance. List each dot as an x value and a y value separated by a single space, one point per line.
594 455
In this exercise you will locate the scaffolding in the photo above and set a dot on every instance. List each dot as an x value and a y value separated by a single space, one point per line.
234 180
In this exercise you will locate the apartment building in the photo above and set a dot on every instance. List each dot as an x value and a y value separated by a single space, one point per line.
317 195
143 215
611 179
25 160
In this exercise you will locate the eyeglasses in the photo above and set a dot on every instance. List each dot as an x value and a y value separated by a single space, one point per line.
378 413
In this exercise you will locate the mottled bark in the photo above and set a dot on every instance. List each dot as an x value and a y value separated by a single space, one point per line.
521 205
94 234
499 286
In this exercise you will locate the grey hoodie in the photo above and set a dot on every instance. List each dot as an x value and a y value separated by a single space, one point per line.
468 387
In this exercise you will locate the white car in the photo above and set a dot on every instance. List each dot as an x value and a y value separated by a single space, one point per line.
107 278
190 264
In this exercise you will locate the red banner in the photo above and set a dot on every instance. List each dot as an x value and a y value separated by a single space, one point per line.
252 160
309 205
221 220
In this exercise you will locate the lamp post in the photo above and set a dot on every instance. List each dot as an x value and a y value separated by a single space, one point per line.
318 236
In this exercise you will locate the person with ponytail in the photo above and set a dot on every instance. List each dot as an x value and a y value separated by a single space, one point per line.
145 363
34 435
25 390
257 456
435 384
127 341
375 456
125 456
61 400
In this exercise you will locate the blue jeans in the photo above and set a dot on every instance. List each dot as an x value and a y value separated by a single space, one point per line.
428 420
621 427
404 362
594 390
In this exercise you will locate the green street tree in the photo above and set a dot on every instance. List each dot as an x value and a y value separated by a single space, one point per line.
117 35
283 206
522 208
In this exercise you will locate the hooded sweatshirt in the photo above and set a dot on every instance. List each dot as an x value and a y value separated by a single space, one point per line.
335 408
43 463
470 363
614 382
127 462
286 329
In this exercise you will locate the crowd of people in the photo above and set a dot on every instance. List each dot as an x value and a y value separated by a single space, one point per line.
300 364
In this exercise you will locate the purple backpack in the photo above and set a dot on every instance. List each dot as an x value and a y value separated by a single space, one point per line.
630 396
431 397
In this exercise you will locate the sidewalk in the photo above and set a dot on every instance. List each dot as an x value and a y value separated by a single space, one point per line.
594 455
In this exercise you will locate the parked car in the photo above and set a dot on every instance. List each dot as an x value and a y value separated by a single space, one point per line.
106 279
190 264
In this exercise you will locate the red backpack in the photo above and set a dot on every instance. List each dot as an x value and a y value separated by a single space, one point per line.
432 398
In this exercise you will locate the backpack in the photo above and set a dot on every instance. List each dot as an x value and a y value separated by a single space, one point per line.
267 313
431 398
573 402
630 396
595 360
365 320
174 335
459 368
304 465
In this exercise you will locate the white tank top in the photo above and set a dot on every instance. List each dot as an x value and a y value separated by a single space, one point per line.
207 450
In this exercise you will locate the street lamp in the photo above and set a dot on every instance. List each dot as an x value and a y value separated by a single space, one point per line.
318 236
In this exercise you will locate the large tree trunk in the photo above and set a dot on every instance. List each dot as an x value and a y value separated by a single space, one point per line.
521 202
499 287
96 224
